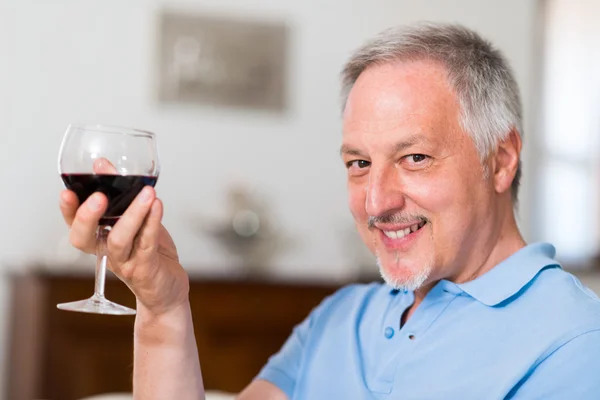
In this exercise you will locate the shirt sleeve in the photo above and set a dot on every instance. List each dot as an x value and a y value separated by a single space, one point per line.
283 368
570 372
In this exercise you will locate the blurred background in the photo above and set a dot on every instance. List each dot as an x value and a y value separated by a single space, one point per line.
244 98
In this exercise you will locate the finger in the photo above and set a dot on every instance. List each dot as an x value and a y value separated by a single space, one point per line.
103 166
120 240
146 242
83 228
68 206
145 247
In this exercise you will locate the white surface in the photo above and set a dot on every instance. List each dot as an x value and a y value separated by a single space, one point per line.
210 395
570 143
110 396
66 61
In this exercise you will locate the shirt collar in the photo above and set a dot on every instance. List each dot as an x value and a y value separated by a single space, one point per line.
511 275
507 278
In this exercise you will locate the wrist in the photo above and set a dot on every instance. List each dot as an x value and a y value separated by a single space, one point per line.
165 327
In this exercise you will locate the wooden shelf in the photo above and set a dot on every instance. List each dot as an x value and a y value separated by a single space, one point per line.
59 355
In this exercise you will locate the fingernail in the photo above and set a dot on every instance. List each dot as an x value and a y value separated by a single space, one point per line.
145 195
93 202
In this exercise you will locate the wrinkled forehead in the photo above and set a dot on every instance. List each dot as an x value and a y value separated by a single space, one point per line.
416 94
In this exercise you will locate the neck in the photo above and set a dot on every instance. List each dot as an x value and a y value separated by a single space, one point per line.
484 254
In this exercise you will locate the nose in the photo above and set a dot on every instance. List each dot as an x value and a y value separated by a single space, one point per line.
385 194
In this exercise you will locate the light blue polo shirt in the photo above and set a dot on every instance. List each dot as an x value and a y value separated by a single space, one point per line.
524 330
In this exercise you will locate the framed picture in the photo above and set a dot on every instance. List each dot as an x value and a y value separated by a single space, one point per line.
219 61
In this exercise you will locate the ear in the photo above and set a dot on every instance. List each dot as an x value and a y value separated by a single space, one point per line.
506 161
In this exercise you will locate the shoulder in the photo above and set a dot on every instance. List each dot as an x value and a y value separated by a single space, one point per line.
564 293
559 301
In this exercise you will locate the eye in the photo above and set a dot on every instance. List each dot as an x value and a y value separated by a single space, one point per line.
416 161
417 158
357 168
360 164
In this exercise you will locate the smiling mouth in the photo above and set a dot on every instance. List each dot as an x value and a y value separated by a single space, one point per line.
404 232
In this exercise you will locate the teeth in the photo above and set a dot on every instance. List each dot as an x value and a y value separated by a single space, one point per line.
392 234
403 232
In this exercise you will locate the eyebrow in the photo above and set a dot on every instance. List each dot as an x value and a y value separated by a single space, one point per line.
398 147
347 150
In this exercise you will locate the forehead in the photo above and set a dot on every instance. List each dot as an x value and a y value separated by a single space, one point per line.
415 95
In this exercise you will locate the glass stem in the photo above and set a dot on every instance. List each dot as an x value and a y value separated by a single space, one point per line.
101 260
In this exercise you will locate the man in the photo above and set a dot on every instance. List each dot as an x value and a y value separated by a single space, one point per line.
431 141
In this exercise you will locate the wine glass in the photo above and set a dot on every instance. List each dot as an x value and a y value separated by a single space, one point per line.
118 162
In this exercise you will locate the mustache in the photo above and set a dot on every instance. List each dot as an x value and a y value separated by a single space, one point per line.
396 219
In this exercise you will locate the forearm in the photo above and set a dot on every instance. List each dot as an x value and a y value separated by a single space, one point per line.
166 364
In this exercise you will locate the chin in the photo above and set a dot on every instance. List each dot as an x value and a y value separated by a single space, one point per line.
404 277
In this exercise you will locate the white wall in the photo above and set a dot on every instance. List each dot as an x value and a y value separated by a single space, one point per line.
568 152
93 61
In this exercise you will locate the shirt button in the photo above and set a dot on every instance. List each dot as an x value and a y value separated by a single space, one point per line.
389 332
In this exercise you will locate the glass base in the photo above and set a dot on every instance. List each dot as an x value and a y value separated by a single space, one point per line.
96 305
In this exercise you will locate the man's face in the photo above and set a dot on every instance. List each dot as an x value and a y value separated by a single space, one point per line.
417 190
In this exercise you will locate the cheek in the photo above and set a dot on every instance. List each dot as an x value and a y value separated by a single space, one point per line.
431 194
452 201
356 201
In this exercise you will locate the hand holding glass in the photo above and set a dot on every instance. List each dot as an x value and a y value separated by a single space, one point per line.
118 162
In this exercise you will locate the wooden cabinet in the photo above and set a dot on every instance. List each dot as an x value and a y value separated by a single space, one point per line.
60 355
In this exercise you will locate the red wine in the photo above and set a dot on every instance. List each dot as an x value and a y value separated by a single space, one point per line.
120 190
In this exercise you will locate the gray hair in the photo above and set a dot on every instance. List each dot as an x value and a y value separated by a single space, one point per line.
478 72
